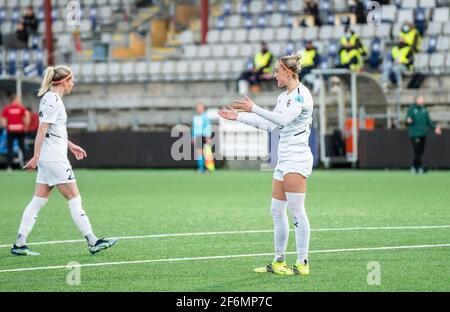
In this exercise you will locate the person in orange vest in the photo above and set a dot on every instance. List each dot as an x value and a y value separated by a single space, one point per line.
15 118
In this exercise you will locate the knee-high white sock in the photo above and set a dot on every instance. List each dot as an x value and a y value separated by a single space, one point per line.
296 204
281 225
81 220
29 219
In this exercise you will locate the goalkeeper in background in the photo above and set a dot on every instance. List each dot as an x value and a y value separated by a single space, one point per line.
201 135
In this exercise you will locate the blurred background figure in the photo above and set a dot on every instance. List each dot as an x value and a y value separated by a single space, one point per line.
401 61
30 21
352 51
201 135
311 8
15 119
418 122
411 36
262 69
310 60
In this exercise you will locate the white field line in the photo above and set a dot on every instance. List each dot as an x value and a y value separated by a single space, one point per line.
421 227
218 257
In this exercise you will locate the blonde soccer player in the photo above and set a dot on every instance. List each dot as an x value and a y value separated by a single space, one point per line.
293 116
53 166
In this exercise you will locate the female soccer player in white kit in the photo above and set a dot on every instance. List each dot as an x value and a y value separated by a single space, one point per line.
293 116
54 169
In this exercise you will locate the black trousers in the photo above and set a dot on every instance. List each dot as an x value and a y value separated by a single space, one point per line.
11 137
419 149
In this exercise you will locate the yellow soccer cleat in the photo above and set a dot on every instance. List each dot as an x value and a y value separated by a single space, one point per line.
301 268
276 267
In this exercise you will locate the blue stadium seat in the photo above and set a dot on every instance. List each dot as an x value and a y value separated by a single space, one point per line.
227 8
269 7
420 20
248 21
282 6
375 53
261 23
2 15
220 22
11 62
432 44
15 16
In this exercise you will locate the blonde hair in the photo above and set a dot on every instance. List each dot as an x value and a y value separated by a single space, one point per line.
292 63
53 75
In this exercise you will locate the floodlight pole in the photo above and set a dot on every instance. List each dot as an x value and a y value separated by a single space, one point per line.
48 32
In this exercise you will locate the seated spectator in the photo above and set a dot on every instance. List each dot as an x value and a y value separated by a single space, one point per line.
311 8
21 36
357 7
411 36
402 61
310 60
262 69
351 40
350 58
30 21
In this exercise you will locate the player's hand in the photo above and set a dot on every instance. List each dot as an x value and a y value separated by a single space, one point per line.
230 115
244 105
77 151
31 164
438 131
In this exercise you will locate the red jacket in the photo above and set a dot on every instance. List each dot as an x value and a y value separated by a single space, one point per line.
15 117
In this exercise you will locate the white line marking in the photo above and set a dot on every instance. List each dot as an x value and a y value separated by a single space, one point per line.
421 227
221 257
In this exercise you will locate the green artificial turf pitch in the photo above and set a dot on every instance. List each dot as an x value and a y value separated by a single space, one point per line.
351 213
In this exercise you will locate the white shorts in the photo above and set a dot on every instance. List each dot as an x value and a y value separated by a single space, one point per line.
303 167
54 173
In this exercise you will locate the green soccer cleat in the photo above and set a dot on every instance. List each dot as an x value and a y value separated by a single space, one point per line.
102 244
301 268
23 251
279 268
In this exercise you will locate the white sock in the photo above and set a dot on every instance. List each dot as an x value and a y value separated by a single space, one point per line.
81 220
296 203
281 225
29 219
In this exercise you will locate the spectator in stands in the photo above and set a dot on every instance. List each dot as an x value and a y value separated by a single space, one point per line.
30 21
351 40
262 69
418 122
402 61
411 36
357 7
312 8
201 134
15 118
351 51
21 36
310 60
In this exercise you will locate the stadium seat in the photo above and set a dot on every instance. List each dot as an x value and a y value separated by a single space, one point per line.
168 70
248 21
256 7
277 49
311 33
227 8
232 50
427 4
209 69
383 30
409 4
432 44
446 30
441 14
269 8
396 28
224 69
246 50
443 43
196 69
128 71
240 35
447 62
101 72
325 32
261 21
244 8
155 71
434 29
237 67
421 61
204 51
213 36
190 51
226 36
142 69
218 51
388 13
282 33
297 34
76 70
338 32
276 20
115 72
268 35
405 15
255 35
87 72
182 70
437 62
367 31
282 6
220 23
235 21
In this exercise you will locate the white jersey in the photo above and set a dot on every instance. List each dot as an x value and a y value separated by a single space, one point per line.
52 111
293 116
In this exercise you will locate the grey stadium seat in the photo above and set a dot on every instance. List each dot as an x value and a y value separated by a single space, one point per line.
237 67
218 51
409 4
232 50
209 69
325 32
190 51
428 4
311 33
142 69
213 36
168 70
388 12
447 62
437 61
234 21
446 30
240 35
405 15
434 28
87 72
128 71
255 35
182 70
196 69
421 61
223 68
441 14
338 32
268 34
297 34
276 20
383 30
115 72
154 71
282 33
367 31
101 72
246 50
443 43
204 51
226 36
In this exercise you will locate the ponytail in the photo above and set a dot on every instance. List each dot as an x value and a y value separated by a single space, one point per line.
47 81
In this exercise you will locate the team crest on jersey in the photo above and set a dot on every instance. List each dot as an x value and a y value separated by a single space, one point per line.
288 103
300 99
